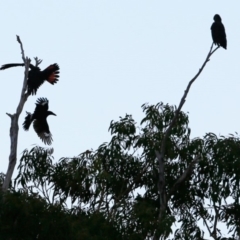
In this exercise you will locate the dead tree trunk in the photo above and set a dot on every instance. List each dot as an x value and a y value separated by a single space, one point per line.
14 123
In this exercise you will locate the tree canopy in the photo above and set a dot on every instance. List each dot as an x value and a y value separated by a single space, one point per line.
112 192
152 180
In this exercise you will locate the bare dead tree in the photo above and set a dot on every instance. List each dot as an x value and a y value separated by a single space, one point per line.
14 122
160 153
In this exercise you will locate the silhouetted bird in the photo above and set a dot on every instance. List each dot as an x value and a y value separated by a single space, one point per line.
36 77
39 119
218 32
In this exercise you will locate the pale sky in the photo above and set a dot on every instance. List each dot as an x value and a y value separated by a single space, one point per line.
113 57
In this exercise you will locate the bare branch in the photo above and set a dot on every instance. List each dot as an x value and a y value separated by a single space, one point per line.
160 154
208 228
167 133
14 123
214 231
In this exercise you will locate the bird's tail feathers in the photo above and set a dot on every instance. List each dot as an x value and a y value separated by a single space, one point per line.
28 121
53 77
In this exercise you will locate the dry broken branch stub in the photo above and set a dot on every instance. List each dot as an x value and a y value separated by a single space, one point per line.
10 115
21 46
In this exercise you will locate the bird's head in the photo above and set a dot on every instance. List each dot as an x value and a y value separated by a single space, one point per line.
217 18
50 113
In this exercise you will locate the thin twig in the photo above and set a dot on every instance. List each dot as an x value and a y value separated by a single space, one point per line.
37 61
100 201
205 222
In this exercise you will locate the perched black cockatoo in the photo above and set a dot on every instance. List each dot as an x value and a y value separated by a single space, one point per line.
36 77
39 119
218 32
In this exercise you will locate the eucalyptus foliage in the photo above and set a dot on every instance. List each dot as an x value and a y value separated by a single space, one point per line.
112 192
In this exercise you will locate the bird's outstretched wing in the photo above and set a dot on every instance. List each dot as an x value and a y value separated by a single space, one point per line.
5 66
28 121
42 130
9 65
41 106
